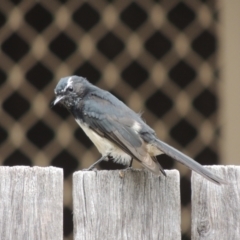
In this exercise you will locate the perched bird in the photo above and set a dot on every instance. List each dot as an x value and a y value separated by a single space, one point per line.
118 132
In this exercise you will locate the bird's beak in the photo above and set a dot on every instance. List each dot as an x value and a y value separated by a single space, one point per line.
57 100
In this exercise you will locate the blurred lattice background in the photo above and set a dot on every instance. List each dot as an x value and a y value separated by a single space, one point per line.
159 57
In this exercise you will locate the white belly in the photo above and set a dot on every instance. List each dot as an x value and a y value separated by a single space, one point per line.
104 146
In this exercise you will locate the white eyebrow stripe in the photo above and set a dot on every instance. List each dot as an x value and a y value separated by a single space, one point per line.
69 83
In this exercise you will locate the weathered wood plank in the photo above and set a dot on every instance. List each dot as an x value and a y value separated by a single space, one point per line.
216 209
136 205
31 203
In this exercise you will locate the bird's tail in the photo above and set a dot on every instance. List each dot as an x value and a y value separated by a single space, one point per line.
187 161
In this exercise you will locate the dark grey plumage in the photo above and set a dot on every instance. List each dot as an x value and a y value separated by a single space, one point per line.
118 132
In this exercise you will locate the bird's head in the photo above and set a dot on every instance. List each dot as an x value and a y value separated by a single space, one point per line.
70 90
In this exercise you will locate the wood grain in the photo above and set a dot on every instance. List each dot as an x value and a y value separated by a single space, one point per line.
31 203
216 209
127 204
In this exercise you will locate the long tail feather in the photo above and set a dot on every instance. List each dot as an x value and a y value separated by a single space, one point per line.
189 162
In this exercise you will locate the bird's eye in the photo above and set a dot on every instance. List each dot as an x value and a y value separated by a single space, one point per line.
70 89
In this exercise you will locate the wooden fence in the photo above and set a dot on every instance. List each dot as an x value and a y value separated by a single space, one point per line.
120 205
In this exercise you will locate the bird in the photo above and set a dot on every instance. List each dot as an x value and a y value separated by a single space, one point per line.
119 133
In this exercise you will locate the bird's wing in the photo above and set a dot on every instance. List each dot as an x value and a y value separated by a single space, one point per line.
115 124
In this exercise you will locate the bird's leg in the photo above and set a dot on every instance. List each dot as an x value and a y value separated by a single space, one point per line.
98 161
121 173
130 164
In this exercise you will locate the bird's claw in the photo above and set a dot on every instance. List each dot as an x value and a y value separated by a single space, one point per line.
90 169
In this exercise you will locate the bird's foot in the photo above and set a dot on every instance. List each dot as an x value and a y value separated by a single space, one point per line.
121 174
90 169
129 168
